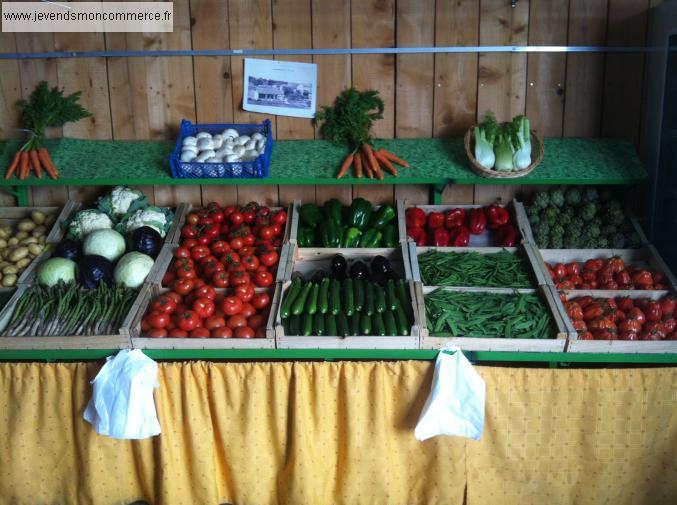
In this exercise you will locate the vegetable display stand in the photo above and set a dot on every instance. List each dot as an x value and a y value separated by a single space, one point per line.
150 291
578 345
560 330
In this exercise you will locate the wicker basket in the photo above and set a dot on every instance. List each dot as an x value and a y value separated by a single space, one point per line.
490 173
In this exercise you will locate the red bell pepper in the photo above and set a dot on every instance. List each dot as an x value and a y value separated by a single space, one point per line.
417 234
506 236
454 218
414 217
435 220
440 237
460 237
496 216
477 221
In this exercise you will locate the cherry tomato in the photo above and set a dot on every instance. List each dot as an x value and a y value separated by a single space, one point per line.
256 321
211 230
263 279
244 291
189 243
250 262
219 247
189 231
236 218
204 240
268 257
236 243
248 310
192 218
228 210
248 216
260 300
236 321
187 320
156 333
279 217
237 278
231 305
177 333
220 279
183 286
203 307
199 332
182 252
214 322
243 332
221 332
248 240
266 233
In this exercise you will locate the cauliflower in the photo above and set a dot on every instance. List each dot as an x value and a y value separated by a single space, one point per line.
122 200
158 218
86 221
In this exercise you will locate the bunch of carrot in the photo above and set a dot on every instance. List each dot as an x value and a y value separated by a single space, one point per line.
32 158
370 162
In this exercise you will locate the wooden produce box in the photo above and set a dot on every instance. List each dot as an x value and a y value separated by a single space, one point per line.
558 344
306 261
120 340
150 291
618 346
518 215
647 256
527 249
296 222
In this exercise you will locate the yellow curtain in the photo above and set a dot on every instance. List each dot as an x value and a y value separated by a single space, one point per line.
342 433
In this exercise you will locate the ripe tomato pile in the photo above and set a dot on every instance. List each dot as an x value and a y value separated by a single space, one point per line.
202 313
623 318
610 273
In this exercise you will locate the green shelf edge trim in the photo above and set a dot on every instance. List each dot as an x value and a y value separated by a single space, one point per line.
338 354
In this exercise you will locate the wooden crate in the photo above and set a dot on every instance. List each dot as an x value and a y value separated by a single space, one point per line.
618 346
296 221
527 249
351 342
150 291
516 208
120 340
558 344
647 256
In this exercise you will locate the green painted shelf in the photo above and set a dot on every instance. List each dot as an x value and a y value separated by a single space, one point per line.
433 161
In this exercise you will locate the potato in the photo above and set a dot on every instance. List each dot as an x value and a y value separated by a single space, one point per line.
4 234
13 241
49 220
38 217
9 280
35 249
18 253
23 263
26 225
7 229
42 240
28 240
10 269
3 243
39 231
21 235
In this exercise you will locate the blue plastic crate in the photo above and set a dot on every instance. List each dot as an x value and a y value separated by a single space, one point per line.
256 169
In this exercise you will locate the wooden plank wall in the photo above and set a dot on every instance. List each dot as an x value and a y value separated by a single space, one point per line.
425 94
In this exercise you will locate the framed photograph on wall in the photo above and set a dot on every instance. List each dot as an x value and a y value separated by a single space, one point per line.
283 88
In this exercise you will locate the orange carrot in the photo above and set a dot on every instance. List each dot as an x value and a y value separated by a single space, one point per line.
23 165
358 165
385 162
43 155
33 153
12 167
366 148
391 157
344 167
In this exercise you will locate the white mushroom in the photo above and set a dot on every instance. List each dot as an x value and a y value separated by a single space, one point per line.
203 135
250 145
261 144
215 159
189 141
217 141
257 136
204 144
231 158
238 150
240 141
204 156
187 156
250 155
230 133
189 148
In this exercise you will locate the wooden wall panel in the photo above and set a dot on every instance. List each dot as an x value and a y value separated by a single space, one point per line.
10 92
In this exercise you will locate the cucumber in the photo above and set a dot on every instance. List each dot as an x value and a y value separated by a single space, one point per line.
389 320
286 327
358 293
404 296
342 325
365 324
379 326
403 325
323 297
335 297
330 325
292 293
311 302
369 298
348 298
307 325
380 302
294 326
318 324
300 302
391 299
355 324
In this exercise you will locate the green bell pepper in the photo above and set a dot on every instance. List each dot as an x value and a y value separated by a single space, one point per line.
360 213
352 238
305 237
310 214
382 216
389 233
333 210
332 234
371 238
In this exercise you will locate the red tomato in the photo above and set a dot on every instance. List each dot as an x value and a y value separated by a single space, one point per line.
231 305
174 296
168 278
190 243
230 257
248 310
219 247
189 231
625 303
221 332
622 277
670 325
605 334
266 233
630 325
653 311
642 279
593 265
579 325
236 243
199 333
156 333
214 322
248 240
560 270
256 321
205 292
573 268
157 319
636 314
244 292
574 310
228 210
236 321
199 251
592 311
187 320
668 305
210 230
616 264
198 282
236 217
263 279
236 267
260 300
268 257
628 335
243 332
652 330
186 272
237 278
586 335
164 303
182 252
177 333
250 262
260 332
204 307
584 301
211 267
220 279
279 217
192 218
183 286
601 323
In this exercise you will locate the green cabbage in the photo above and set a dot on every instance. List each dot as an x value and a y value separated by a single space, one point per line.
56 269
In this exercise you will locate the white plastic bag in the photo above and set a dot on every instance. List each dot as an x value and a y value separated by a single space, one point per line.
455 405
122 405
